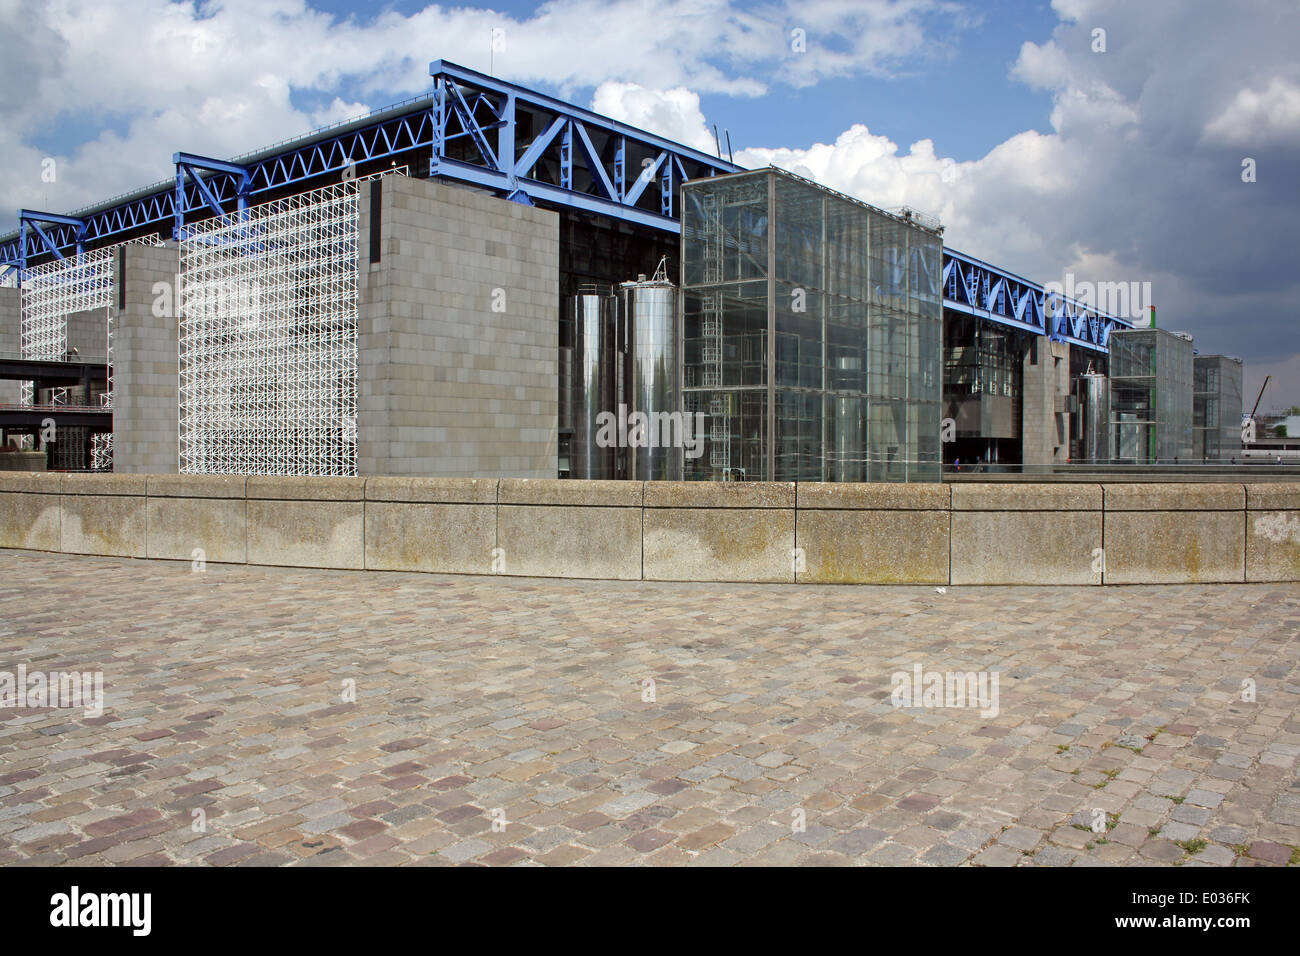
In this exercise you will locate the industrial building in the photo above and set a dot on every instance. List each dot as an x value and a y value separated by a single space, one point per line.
485 280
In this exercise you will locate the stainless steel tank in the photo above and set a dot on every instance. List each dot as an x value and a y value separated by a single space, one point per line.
1094 416
849 462
649 322
565 413
594 381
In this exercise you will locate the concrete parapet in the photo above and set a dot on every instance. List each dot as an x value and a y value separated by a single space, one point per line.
306 522
197 517
30 510
876 533
1026 534
445 525
724 531
570 529
1175 533
970 533
1273 532
103 514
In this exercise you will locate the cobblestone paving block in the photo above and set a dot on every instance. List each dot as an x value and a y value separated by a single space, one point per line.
330 718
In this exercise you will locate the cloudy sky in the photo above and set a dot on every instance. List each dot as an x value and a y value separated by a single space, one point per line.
1099 138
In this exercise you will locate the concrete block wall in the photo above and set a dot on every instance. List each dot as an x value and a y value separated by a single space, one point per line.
145 402
1044 534
88 334
1169 534
1045 432
11 317
457 335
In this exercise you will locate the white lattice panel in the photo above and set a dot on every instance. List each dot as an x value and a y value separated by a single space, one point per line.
268 339
54 290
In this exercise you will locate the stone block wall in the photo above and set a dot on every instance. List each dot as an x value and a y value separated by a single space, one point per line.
457 334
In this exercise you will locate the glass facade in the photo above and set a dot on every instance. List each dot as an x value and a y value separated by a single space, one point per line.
983 387
1216 408
1150 396
812 330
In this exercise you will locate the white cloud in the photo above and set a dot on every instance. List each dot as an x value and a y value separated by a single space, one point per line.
674 113
223 78
1257 119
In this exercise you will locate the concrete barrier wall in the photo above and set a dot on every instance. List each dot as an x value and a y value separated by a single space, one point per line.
968 533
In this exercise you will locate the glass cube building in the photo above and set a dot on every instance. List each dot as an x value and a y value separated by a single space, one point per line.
1216 407
812 327
1150 396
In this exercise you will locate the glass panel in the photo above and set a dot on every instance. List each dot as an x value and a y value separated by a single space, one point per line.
856 317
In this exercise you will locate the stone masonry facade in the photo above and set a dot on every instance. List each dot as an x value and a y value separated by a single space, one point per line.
457 334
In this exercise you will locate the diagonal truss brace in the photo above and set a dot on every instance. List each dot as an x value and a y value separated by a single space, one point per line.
193 166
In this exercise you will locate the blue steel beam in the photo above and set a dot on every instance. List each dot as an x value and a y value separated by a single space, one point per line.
464 101
484 110
190 168
71 229
977 288
466 106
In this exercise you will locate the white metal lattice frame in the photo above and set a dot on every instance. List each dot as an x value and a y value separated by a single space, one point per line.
268 339
53 291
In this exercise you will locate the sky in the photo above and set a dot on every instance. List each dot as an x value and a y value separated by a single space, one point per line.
1093 140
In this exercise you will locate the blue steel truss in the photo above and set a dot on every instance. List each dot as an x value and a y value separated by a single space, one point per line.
521 144
473 129
987 292
531 147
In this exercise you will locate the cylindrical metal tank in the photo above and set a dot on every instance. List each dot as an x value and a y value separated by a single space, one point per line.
1094 416
849 461
649 314
565 414
594 382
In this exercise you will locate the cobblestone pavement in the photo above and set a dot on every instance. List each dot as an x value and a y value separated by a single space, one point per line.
482 700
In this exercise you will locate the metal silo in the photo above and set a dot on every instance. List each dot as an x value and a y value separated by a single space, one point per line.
848 430
1094 416
594 381
649 322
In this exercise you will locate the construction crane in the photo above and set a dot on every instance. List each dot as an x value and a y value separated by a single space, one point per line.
1257 399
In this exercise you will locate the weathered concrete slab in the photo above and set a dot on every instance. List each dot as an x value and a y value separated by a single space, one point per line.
195 486
719 544
992 496
1181 496
872 546
1174 547
274 487
308 534
191 528
29 510
872 496
431 536
1273 531
1026 547
433 490
719 494
572 541
530 491
109 524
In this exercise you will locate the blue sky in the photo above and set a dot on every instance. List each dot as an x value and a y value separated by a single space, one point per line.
1038 151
